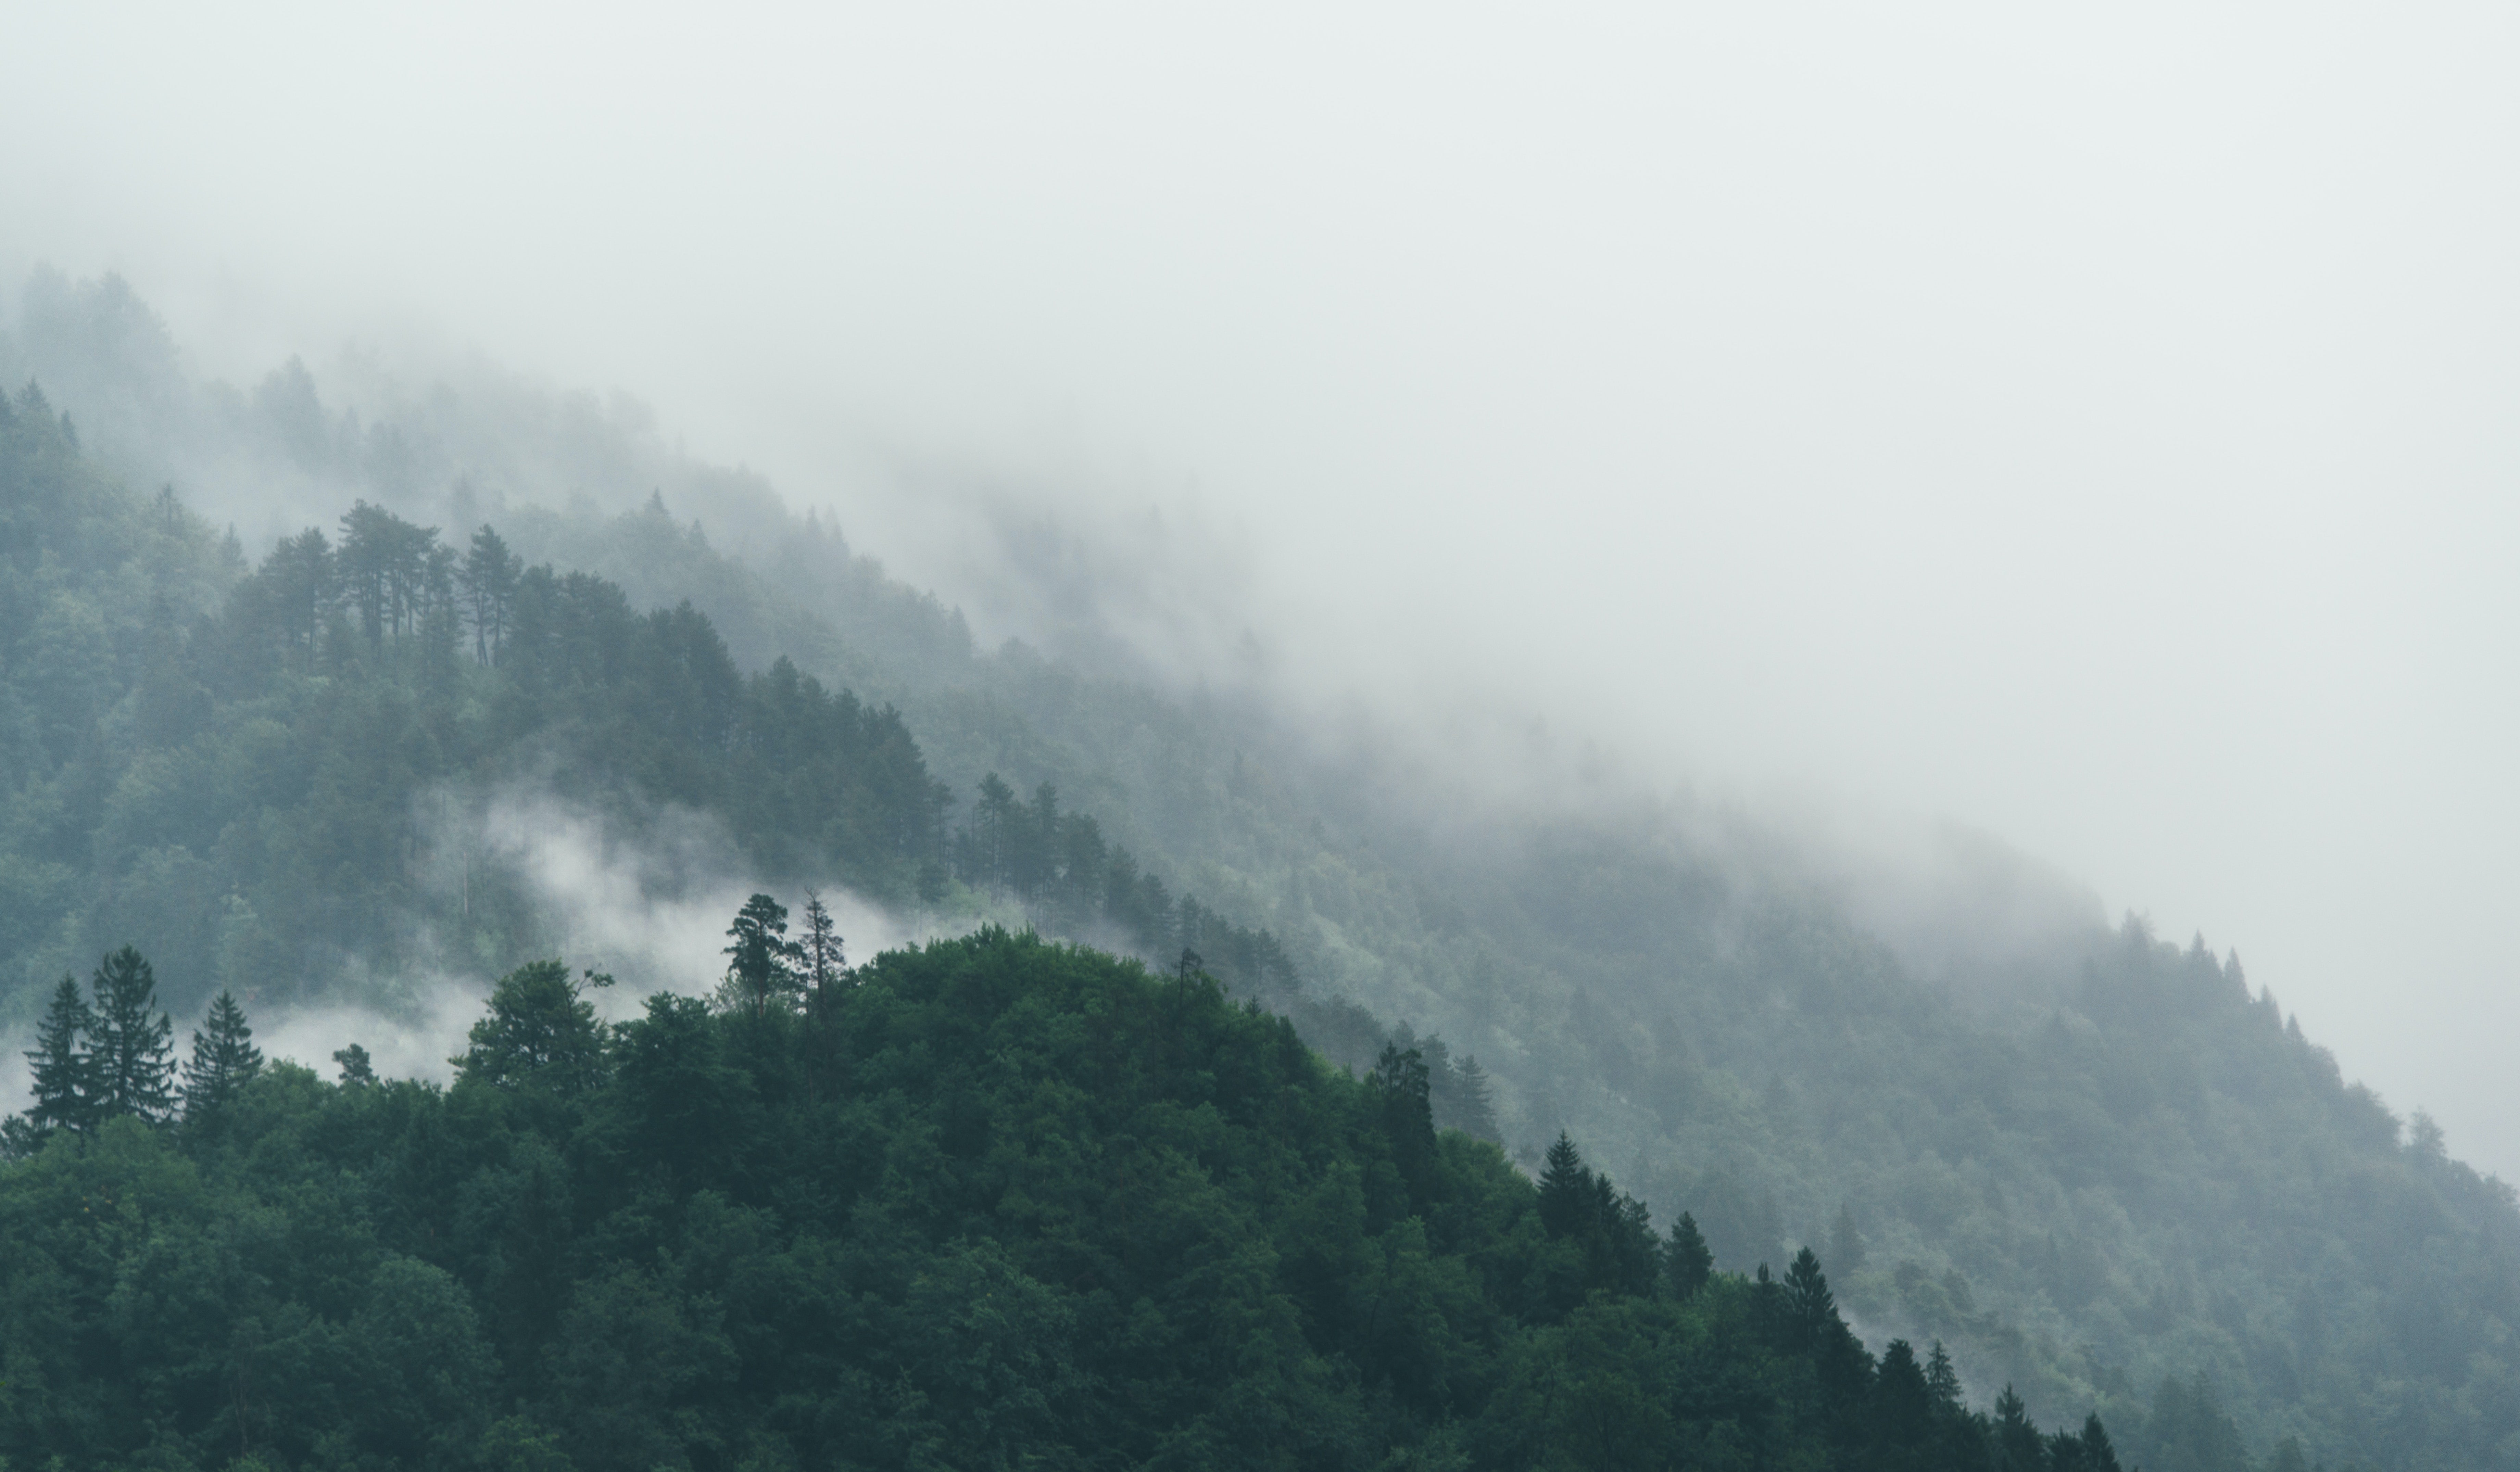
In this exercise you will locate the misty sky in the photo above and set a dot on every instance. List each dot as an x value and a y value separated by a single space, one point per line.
2095 426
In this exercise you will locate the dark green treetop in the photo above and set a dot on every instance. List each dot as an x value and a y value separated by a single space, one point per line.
133 1052
1688 1261
223 1059
65 1071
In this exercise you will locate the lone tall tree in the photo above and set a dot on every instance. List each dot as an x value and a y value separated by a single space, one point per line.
223 1058
820 951
762 962
134 1052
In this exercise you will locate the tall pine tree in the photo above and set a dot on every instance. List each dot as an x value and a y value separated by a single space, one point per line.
762 964
133 1057
223 1058
1565 1190
1688 1261
64 1070
819 953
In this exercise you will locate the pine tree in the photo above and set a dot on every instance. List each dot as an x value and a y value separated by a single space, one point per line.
357 1070
762 964
2017 1444
820 950
1941 1381
223 1059
1476 1100
1809 1305
2097 1454
134 1054
1401 1084
1686 1260
1565 1190
65 1071
489 577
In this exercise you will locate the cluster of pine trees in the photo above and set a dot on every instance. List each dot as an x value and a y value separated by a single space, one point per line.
109 1054
992 1202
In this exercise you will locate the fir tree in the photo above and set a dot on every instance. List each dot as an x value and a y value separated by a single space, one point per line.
223 1059
2097 1454
2017 1444
65 1071
1686 1260
1941 1381
1565 1190
819 950
134 1053
1809 1305
1475 1100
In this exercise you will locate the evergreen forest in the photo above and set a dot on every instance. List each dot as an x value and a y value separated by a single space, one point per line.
1206 1097
993 1202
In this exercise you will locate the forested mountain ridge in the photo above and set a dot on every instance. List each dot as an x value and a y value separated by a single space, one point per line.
989 1203
2140 1174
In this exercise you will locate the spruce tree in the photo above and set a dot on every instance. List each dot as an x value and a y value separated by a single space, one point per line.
2097 1454
223 1058
1941 1381
820 950
134 1053
1475 1103
1809 1305
2017 1444
1686 1260
1565 1190
64 1070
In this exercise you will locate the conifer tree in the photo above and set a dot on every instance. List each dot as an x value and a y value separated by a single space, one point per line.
64 1070
819 950
1401 1083
1686 1259
2097 1454
1941 1381
134 1052
1809 1305
762 962
1565 1190
1475 1100
223 1059
2017 1444
357 1070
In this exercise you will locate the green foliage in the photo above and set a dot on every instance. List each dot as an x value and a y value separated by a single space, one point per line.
65 1071
224 1060
2126 1167
1007 1203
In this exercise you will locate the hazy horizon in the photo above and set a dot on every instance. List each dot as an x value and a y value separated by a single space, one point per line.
2087 432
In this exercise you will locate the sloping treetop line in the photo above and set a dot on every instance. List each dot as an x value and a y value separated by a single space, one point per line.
993 1202
2140 1188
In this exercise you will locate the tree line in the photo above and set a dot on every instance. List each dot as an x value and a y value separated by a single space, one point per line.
989 1202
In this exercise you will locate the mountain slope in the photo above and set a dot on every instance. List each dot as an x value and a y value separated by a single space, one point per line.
990 1203
2129 1173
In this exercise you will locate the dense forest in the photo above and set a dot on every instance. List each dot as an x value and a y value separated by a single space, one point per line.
2110 1172
990 1203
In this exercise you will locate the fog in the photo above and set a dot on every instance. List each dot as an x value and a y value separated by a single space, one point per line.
2087 430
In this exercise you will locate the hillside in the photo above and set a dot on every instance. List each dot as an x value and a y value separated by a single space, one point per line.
2132 1185
991 1203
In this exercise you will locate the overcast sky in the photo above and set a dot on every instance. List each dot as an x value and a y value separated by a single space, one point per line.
2095 426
